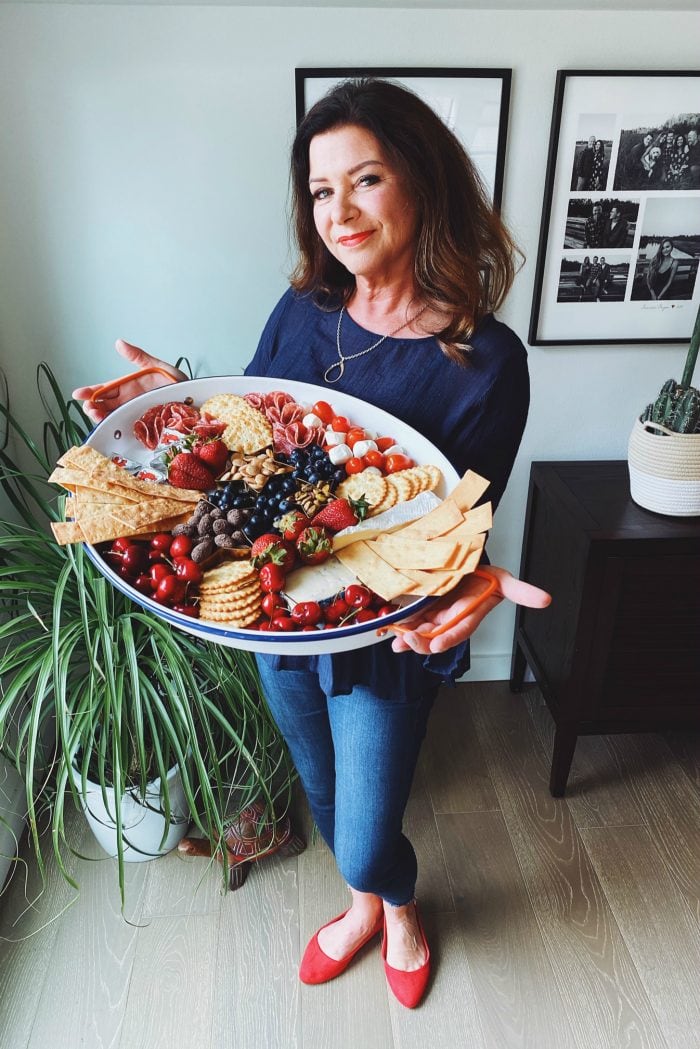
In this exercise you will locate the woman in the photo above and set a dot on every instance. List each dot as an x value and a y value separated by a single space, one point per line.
598 174
584 276
661 270
401 262
678 164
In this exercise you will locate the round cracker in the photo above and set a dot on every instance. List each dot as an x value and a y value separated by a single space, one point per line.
247 429
390 499
405 486
228 572
372 486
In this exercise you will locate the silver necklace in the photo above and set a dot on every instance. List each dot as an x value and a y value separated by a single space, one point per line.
342 358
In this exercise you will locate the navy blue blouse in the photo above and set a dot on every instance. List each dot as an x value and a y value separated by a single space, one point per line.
475 415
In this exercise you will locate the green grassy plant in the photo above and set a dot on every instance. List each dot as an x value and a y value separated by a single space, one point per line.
91 680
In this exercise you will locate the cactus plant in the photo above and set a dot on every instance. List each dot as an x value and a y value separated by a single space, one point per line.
677 406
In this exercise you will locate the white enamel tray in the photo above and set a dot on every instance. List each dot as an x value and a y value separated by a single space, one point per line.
360 413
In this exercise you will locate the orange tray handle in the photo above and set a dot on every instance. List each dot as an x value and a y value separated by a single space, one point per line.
444 627
107 387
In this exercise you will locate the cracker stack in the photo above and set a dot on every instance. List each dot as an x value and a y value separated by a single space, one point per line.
382 492
427 557
106 502
230 595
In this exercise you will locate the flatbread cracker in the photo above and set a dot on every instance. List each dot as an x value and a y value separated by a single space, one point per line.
469 490
415 553
374 572
436 523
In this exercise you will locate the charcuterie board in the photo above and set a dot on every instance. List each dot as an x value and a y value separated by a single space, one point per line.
285 463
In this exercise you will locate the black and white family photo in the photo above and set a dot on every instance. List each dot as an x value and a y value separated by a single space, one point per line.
660 156
600 223
594 140
669 250
593 278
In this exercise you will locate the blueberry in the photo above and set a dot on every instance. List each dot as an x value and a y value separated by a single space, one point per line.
312 477
298 457
281 457
288 485
338 476
325 469
298 472
317 452
286 505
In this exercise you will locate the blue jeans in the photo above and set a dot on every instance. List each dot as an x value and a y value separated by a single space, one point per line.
355 755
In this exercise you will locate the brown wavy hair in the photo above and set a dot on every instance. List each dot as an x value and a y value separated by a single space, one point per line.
465 257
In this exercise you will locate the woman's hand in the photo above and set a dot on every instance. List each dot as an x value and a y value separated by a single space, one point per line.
509 587
99 410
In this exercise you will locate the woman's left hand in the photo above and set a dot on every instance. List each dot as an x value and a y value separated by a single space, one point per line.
509 587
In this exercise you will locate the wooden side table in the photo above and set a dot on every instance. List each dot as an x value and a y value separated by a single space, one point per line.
618 650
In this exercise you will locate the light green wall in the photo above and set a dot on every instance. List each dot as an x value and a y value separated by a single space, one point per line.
143 181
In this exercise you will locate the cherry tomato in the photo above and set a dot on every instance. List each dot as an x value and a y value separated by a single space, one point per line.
306 613
384 442
354 465
354 435
372 458
162 542
340 424
181 546
271 602
324 411
357 596
397 462
271 578
171 590
186 569
159 572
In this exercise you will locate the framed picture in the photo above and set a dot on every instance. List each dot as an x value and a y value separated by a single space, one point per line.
472 102
620 235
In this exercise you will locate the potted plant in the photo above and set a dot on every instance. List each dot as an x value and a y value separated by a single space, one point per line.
103 701
664 447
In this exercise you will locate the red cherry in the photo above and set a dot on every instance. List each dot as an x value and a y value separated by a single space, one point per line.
171 590
135 558
358 596
143 584
162 541
384 610
271 602
364 615
336 610
186 569
264 624
181 546
306 613
159 572
187 610
119 545
282 623
156 557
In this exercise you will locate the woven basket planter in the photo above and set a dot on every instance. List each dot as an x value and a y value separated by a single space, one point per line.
664 470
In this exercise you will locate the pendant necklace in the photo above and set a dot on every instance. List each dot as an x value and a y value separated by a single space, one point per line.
342 358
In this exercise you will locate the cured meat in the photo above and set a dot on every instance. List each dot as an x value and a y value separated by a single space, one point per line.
276 398
174 415
254 399
294 435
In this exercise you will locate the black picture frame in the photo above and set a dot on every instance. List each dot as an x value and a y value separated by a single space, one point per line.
491 163
657 200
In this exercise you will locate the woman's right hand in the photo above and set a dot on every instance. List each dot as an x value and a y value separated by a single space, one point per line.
99 410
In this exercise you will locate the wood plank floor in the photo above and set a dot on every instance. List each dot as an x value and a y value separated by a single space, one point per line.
567 923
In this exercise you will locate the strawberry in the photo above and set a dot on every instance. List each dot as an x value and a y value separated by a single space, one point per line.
213 454
314 546
340 513
291 524
186 471
271 549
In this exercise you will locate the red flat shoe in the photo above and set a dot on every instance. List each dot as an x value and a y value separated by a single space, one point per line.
317 967
408 987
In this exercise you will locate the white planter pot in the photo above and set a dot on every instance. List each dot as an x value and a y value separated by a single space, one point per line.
664 470
143 821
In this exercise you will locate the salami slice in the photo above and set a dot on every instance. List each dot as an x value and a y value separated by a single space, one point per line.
175 415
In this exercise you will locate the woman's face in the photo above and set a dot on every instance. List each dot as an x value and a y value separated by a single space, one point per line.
666 247
680 141
598 146
363 211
